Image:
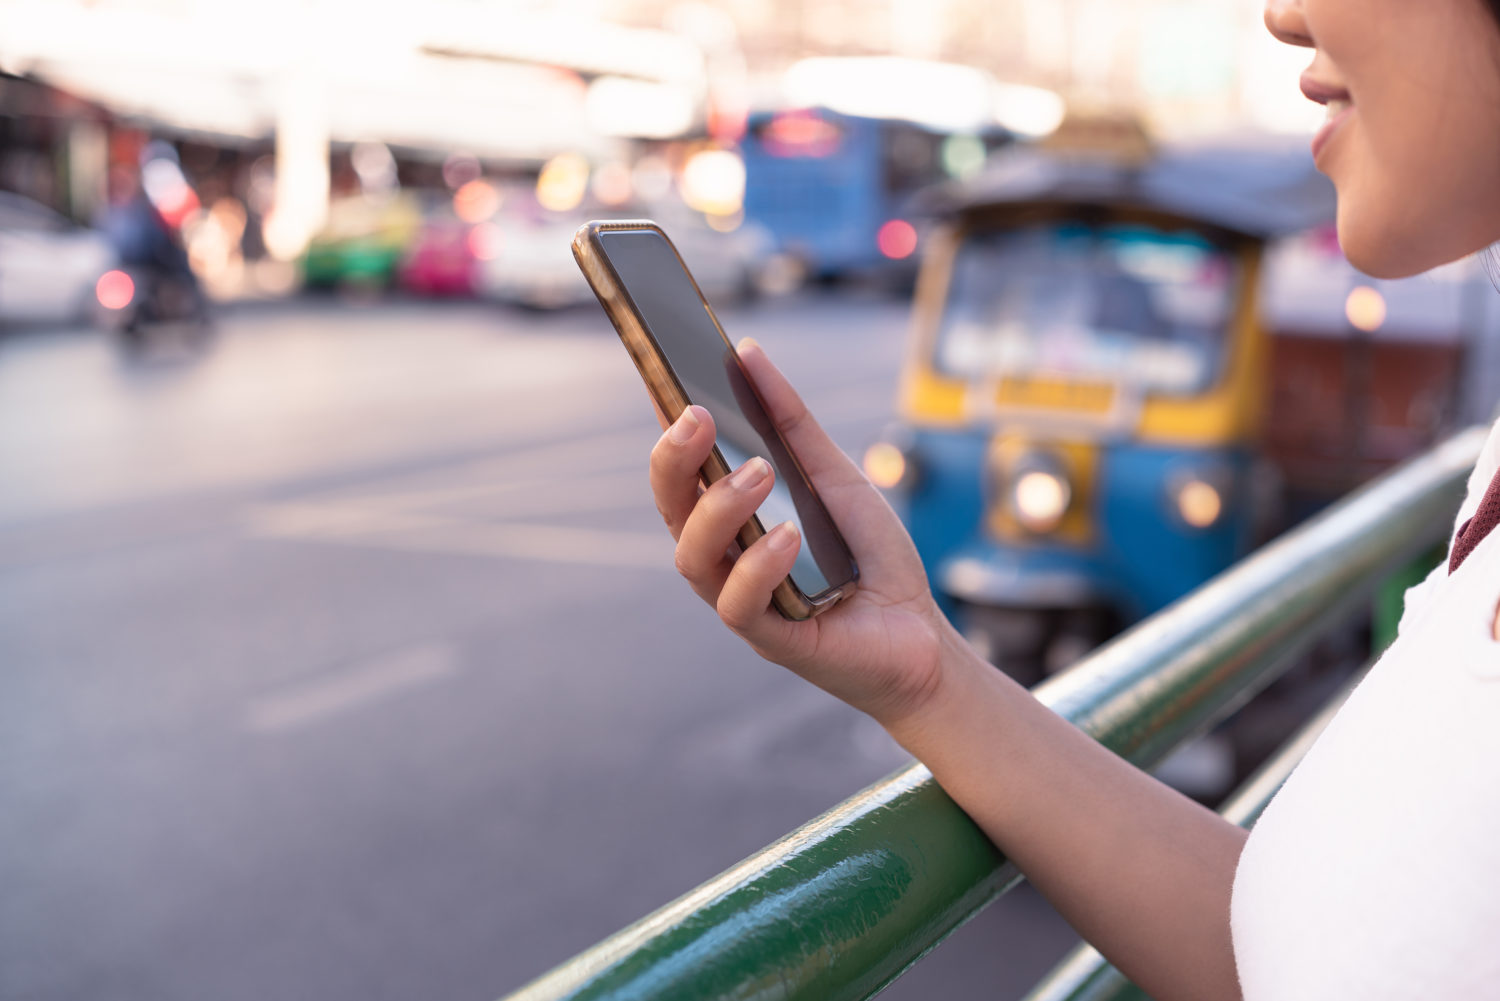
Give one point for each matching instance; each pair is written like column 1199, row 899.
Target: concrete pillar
column 302, row 176
column 88, row 169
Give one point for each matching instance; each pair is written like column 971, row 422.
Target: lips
column 1333, row 97
column 1321, row 92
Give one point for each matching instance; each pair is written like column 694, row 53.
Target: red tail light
column 114, row 290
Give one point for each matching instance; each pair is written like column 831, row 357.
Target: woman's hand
column 1142, row 871
column 881, row 649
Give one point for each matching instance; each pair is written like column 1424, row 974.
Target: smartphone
column 685, row 358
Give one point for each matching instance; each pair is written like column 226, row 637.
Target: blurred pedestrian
column 1375, row 872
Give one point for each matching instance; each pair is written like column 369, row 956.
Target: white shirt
column 1374, row 874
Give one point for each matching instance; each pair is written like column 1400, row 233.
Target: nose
column 1285, row 20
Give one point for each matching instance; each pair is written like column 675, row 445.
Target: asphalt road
column 346, row 660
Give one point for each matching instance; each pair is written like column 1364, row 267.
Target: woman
column 1376, row 871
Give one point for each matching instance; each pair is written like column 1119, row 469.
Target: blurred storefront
column 53, row 146
column 285, row 120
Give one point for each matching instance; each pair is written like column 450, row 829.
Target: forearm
column 1141, row 871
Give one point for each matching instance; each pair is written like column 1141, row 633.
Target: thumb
column 822, row 460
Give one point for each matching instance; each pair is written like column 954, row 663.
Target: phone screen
column 705, row 365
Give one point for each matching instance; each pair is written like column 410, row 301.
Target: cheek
column 1380, row 212
column 1417, row 189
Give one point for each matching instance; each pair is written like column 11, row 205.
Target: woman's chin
column 1382, row 252
column 1379, row 264
column 1384, row 247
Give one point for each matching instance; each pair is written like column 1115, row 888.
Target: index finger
column 675, row 461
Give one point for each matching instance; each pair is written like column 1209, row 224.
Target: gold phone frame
column 789, row 599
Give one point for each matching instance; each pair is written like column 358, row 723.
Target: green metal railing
column 842, row 906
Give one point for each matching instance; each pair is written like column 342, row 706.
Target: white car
column 533, row 265
column 49, row 266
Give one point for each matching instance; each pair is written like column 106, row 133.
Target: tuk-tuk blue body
column 1080, row 413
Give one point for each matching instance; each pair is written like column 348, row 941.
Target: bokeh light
column 1041, row 499
column 375, row 166
column 114, row 290
column 475, row 201
column 1365, row 308
column 963, row 155
column 725, row 223
column 163, row 181
column 485, row 241
column 897, row 239
column 460, row 168
column 713, row 181
column 1199, row 503
column 884, row 464
column 562, row 183
column 612, row 184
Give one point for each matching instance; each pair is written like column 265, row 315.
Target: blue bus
column 834, row 190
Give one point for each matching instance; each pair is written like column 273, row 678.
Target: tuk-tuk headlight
column 891, row 463
column 1198, row 502
column 1040, row 494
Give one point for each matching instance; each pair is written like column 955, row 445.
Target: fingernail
column 748, row 344
column 783, row 536
column 750, row 474
column 684, row 427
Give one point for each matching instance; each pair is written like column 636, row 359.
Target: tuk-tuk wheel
column 1032, row 644
column 1012, row 639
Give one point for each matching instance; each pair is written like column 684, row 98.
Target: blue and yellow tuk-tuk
column 1081, row 407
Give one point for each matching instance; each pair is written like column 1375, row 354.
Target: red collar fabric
column 1473, row 531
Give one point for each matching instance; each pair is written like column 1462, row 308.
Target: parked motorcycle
column 143, row 305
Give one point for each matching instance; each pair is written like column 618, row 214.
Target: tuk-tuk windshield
column 1112, row 303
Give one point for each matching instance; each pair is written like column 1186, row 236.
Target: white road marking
column 785, row 725
column 312, row 701
column 541, row 463
column 512, row 497
column 349, row 525
column 517, row 496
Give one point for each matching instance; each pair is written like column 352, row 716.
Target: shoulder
column 1402, row 776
